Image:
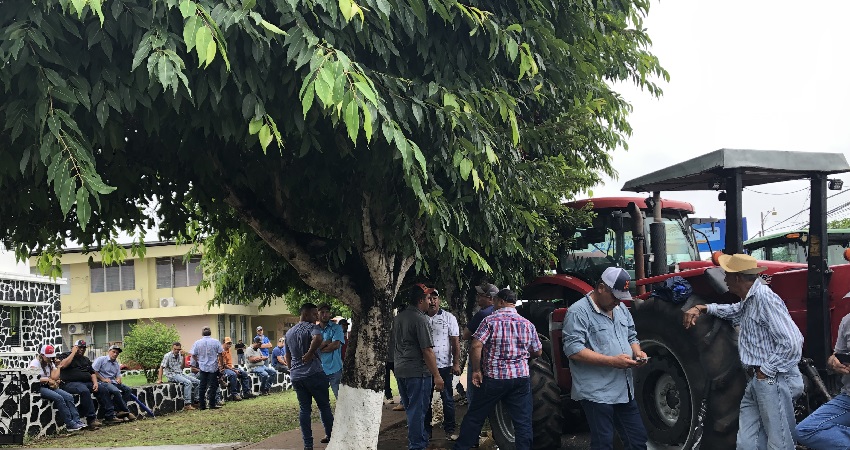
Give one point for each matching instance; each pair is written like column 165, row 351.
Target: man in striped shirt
column 770, row 346
column 501, row 347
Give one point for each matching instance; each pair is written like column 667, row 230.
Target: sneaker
column 189, row 408
column 76, row 426
column 121, row 414
column 453, row 437
column 236, row 398
column 248, row 395
column 389, row 401
column 95, row 423
column 131, row 416
column 325, row 440
column 215, row 407
column 398, row 407
column 114, row 420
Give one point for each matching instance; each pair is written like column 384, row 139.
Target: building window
column 15, row 317
column 232, row 333
column 243, row 329
column 107, row 333
column 64, row 289
column 221, row 327
column 174, row 272
column 115, row 277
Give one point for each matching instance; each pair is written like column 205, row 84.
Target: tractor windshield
column 596, row 249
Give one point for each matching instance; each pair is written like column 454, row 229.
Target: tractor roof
column 623, row 203
column 707, row 172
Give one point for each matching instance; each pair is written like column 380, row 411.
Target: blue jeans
column 240, row 359
column 86, row 403
column 114, row 398
column 234, row 378
column 447, row 395
column 828, row 427
column 604, row 418
column 208, row 388
column 515, row 395
column 334, row 380
column 267, row 376
column 767, row 412
column 190, row 387
column 306, row 389
column 416, row 397
column 64, row 404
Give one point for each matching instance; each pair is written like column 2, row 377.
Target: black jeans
column 306, row 390
column 209, row 385
column 84, row 391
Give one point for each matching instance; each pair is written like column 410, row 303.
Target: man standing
column 330, row 351
column 206, row 352
column 501, row 347
column 265, row 344
column 234, row 376
column 414, row 364
column 601, row 343
column 240, row 352
column 770, row 347
column 445, row 333
column 484, row 295
column 308, row 377
column 277, row 355
column 108, row 372
column 257, row 364
column 829, row 426
column 76, row 372
column 172, row 365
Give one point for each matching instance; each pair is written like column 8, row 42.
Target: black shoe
column 308, row 448
column 325, row 440
column 215, row 407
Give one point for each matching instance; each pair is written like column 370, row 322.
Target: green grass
column 270, row 414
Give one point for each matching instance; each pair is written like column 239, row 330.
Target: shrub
column 145, row 345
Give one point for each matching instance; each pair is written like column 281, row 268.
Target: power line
column 771, row 193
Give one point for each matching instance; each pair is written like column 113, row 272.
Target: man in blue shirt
column 206, row 353
column 601, row 343
column 265, row 345
column 484, row 295
column 330, row 351
column 770, row 346
column 277, row 355
column 308, row 377
column 108, row 372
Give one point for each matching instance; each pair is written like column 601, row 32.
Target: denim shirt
column 586, row 326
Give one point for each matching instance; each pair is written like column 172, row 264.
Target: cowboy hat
column 739, row 263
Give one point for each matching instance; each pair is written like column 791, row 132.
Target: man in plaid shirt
column 507, row 341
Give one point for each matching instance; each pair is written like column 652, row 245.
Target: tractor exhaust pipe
column 640, row 241
column 658, row 237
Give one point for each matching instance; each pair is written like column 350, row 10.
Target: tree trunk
column 357, row 418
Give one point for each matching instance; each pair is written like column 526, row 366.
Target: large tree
column 357, row 139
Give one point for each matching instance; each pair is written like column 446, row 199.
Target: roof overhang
column 708, row 172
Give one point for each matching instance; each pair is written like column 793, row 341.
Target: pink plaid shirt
column 507, row 338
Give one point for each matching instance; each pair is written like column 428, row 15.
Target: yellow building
column 100, row 303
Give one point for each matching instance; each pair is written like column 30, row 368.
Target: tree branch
column 284, row 242
column 373, row 252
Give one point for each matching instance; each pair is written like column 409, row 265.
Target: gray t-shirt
column 410, row 334
column 251, row 353
column 298, row 340
column 842, row 345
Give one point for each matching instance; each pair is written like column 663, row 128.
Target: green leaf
column 352, row 120
column 272, row 27
column 65, row 192
column 346, row 8
column 187, row 8
column 83, row 208
column 265, row 136
column 190, row 31
column 79, row 5
column 367, row 91
column 102, row 113
column 254, row 126
column 97, row 7
column 465, row 168
column 307, row 99
column 211, row 50
column 367, row 123
column 203, row 38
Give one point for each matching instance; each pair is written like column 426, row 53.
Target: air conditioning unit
column 132, row 303
column 76, row 328
column 167, row 302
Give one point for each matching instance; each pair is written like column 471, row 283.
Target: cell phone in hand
column 643, row 359
column 843, row 358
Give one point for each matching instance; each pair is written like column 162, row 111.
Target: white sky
column 751, row 74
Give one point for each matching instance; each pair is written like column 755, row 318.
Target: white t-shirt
column 35, row 366
column 443, row 325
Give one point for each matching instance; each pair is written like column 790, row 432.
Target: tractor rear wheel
column 686, row 367
column 546, row 418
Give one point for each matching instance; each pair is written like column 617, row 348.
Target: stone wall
column 39, row 416
column 38, row 299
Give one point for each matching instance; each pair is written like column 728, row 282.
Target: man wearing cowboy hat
column 770, row 346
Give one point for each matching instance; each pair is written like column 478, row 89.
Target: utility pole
column 772, row 212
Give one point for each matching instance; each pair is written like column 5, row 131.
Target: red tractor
column 690, row 391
